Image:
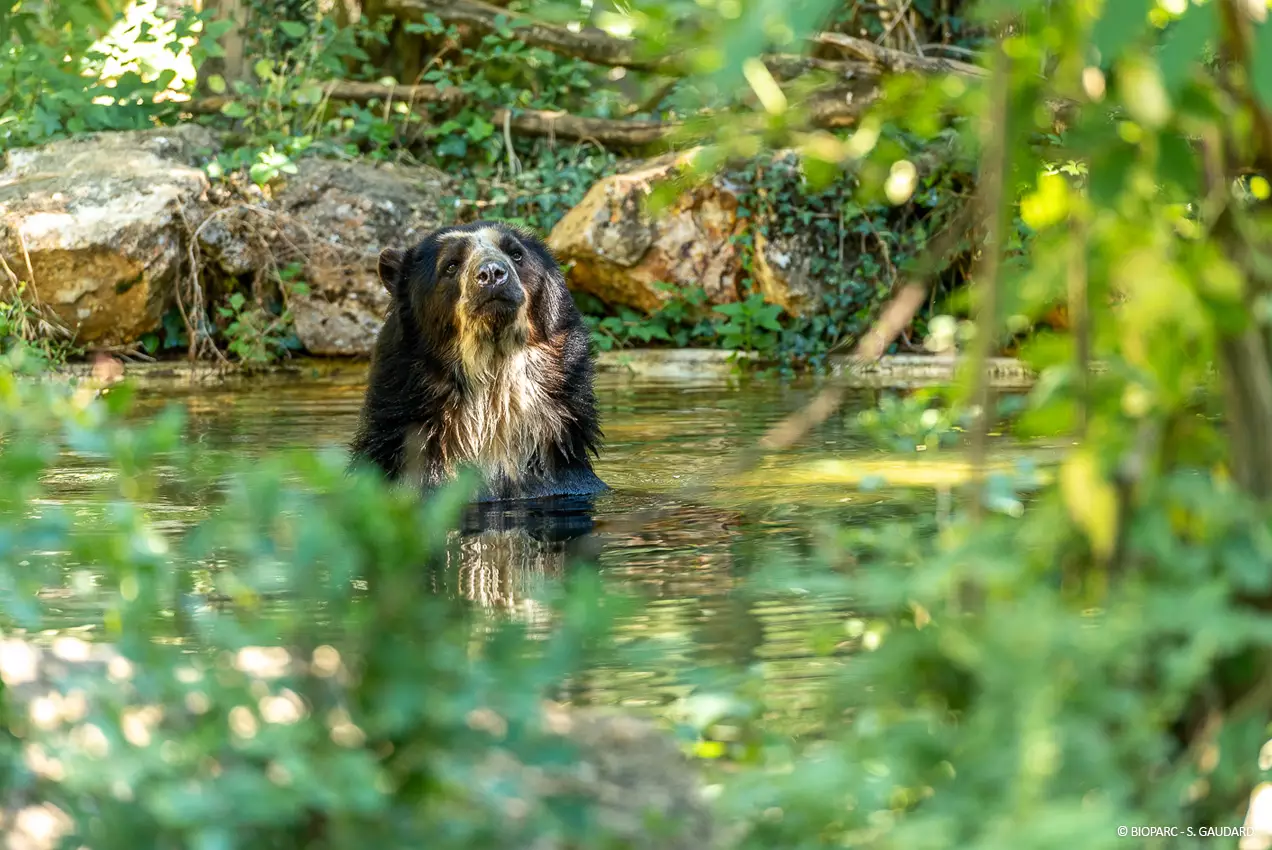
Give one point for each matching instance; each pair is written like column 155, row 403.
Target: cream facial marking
column 480, row 346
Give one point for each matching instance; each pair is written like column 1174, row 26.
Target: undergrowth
column 138, row 57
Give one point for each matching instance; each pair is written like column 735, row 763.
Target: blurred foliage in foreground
column 281, row 675
column 1032, row 678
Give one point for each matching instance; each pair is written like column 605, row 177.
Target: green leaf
column 1177, row 162
column 216, row 84
column 309, row 93
column 1109, row 174
column 261, row 173
column 1182, row 51
column 1261, row 64
column 237, row 300
column 480, row 129
column 769, row 320
column 216, row 29
column 1121, row 23
column 263, row 68
column 293, row 29
column 234, row 109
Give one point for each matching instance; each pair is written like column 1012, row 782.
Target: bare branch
column 590, row 45
column 897, row 60
column 826, row 111
column 601, row 48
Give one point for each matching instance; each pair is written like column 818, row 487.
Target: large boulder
column 620, row 253
column 98, row 225
column 341, row 215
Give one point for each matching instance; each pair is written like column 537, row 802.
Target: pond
column 662, row 437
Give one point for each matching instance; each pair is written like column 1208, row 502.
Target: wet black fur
column 415, row 369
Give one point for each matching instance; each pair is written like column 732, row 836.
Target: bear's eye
column 452, row 268
column 517, row 256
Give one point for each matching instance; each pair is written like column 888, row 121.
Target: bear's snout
column 492, row 273
column 495, row 287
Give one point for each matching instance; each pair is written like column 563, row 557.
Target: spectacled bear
column 483, row 361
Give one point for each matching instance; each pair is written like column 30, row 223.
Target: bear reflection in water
column 503, row 550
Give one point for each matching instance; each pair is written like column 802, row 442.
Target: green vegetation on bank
column 83, row 67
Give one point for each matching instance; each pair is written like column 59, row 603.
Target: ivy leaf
column 452, row 145
column 768, row 318
column 480, row 129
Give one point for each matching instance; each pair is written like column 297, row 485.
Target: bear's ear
column 390, row 265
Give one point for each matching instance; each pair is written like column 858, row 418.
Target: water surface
column 660, row 438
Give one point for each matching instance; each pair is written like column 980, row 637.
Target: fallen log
column 895, row 60
column 830, row 110
column 526, row 122
column 590, row 45
column 600, row 48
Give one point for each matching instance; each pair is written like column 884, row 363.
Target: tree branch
column 897, row 60
column 601, row 48
column 591, row 45
column 829, row 110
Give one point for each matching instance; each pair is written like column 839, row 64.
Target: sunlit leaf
column 1091, row 500
column 1048, row 205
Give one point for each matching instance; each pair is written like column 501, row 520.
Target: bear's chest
column 502, row 420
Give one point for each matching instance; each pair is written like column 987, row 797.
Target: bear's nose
column 492, row 273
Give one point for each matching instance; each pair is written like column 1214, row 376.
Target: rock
column 340, row 215
column 781, row 270
column 639, row 789
column 103, row 222
column 619, row 253
column 226, row 239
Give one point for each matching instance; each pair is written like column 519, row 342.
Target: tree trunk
column 234, row 64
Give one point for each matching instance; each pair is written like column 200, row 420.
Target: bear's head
column 478, row 291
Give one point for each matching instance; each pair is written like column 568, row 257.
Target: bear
column 484, row 362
